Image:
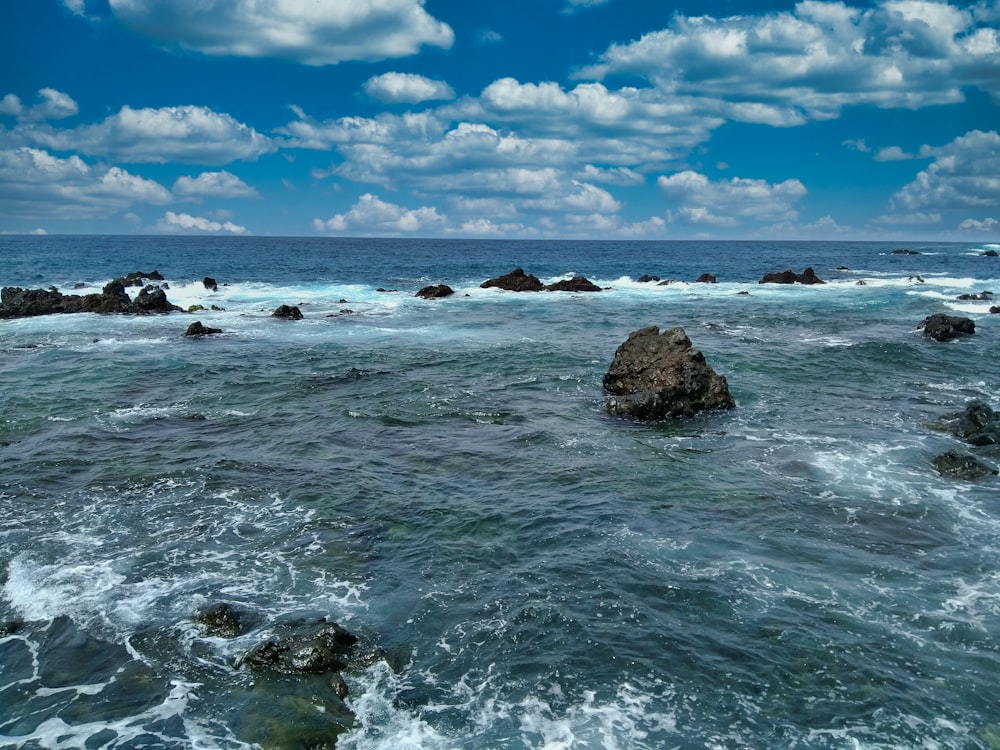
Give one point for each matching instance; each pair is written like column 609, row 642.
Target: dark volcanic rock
column 287, row 312
column 152, row 299
column 808, row 276
column 981, row 297
column 655, row 376
column 435, row 291
column 990, row 254
column 941, row 327
column 576, row 284
column 962, row 466
column 197, row 329
column 139, row 278
column 905, row 251
column 311, row 648
column 209, row 283
column 995, row 309
column 22, row 303
column 515, row 281
column 645, row 279
column 978, row 424
column 706, row 278
column 220, row 620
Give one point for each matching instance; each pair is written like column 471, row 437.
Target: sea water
column 439, row 476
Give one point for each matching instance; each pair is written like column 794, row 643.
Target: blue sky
column 528, row 118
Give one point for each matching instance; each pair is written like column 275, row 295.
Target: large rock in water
column 22, row 303
column 808, row 276
column 576, row 284
column 941, row 327
column 515, row 281
column 656, row 376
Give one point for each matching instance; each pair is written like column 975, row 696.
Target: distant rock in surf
column 977, row 425
column 645, row 279
column 209, row 283
column 990, row 254
column 658, row 376
column 197, row 329
column 576, row 284
column 706, row 278
column 981, row 297
column 436, row 291
column 515, row 281
column 995, row 309
column 139, row 278
column 962, row 466
column 287, row 312
column 905, row 251
column 808, row 276
column 941, row 327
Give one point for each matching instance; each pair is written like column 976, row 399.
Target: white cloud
column 406, row 88
column 612, row 175
column 34, row 183
column 174, row 222
column 487, row 37
column 572, row 6
column 371, row 215
column 728, row 202
column 214, row 184
column 815, row 60
column 911, row 219
column 313, row 33
column 986, row 225
column 893, row 153
column 857, row 144
column 54, row 105
column 965, row 174
column 169, row 134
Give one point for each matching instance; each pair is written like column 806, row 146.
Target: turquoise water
column 439, row 477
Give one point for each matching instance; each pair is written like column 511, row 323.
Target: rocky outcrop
column 576, row 284
column 707, row 278
column 962, row 466
column 221, row 620
column 941, row 327
column 435, row 292
column 905, row 251
column 210, row 284
column 981, row 297
column 23, row 303
column 287, row 312
column 139, row 278
column 658, row 376
column 646, row 278
column 808, row 276
column 515, row 281
column 197, row 329
column 318, row 647
column 977, row 425
column 990, row 254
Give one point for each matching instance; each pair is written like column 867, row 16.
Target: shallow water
column 439, row 477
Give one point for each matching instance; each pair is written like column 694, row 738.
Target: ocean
column 440, row 478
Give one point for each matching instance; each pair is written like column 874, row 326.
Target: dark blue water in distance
column 439, row 477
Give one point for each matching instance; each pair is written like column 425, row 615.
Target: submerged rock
column 287, row 312
column 808, row 276
column 977, row 425
column 221, row 620
column 941, row 327
column 515, row 281
column 318, row 647
column 962, row 466
column 435, row 291
column 657, row 376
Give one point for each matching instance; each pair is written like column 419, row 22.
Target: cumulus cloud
column 371, row 215
column 54, row 105
column 35, row 183
column 965, row 174
column 213, row 184
column 313, row 33
column 811, row 62
column 727, row 203
column 893, row 153
column 407, row 88
column 988, row 224
column 186, row 134
column 186, row 223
